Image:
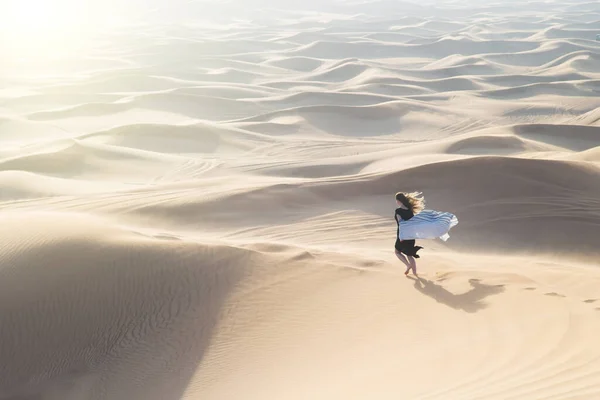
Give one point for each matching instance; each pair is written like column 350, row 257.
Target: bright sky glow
column 37, row 31
column 35, row 18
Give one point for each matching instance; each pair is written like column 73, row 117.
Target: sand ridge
column 198, row 203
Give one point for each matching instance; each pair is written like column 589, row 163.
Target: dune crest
column 197, row 200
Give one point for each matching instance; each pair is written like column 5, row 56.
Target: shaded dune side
column 510, row 80
column 191, row 105
column 60, row 99
column 496, row 144
column 90, row 311
column 20, row 185
column 301, row 64
column 310, row 98
column 573, row 137
column 590, row 118
column 570, row 89
column 442, row 48
column 380, row 119
column 433, row 89
column 95, row 161
column 116, row 81
column 561, row 33
column 164, row 138
column 227, row 91
column 547, row 53
column 337, row 73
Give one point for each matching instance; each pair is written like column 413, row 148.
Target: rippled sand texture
column 205, row 211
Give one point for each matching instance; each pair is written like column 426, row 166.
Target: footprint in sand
column 554, row 294
column 165, row 236
column 529, row 288
column 442, row 276
column 590, row 300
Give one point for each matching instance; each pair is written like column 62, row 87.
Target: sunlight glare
column 40, row 30
column 30, row 18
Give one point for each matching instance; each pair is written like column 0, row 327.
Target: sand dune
column 589, row 118
column 197, row 202
column 380, row 119
column 185, row 104
column 90, row 161
column 21, row 185
column 150, row 294
column 574, row 137
column 296, row 63
column 486, row 144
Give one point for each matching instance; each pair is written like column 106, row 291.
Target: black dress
column 405, row 246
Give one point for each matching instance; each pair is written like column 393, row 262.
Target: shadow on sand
column 470, row 301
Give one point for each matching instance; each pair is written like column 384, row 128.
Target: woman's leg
column 404, row 260
column 413, row 265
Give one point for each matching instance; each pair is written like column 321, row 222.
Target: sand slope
column 198, row 203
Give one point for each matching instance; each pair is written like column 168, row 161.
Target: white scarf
column 428, row 224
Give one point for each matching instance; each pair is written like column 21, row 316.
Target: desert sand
column 198, row 202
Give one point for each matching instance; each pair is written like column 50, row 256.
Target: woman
column 409, row 204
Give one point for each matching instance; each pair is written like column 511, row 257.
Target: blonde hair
column 413, row 200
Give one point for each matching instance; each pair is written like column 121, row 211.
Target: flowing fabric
column 428, row 224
